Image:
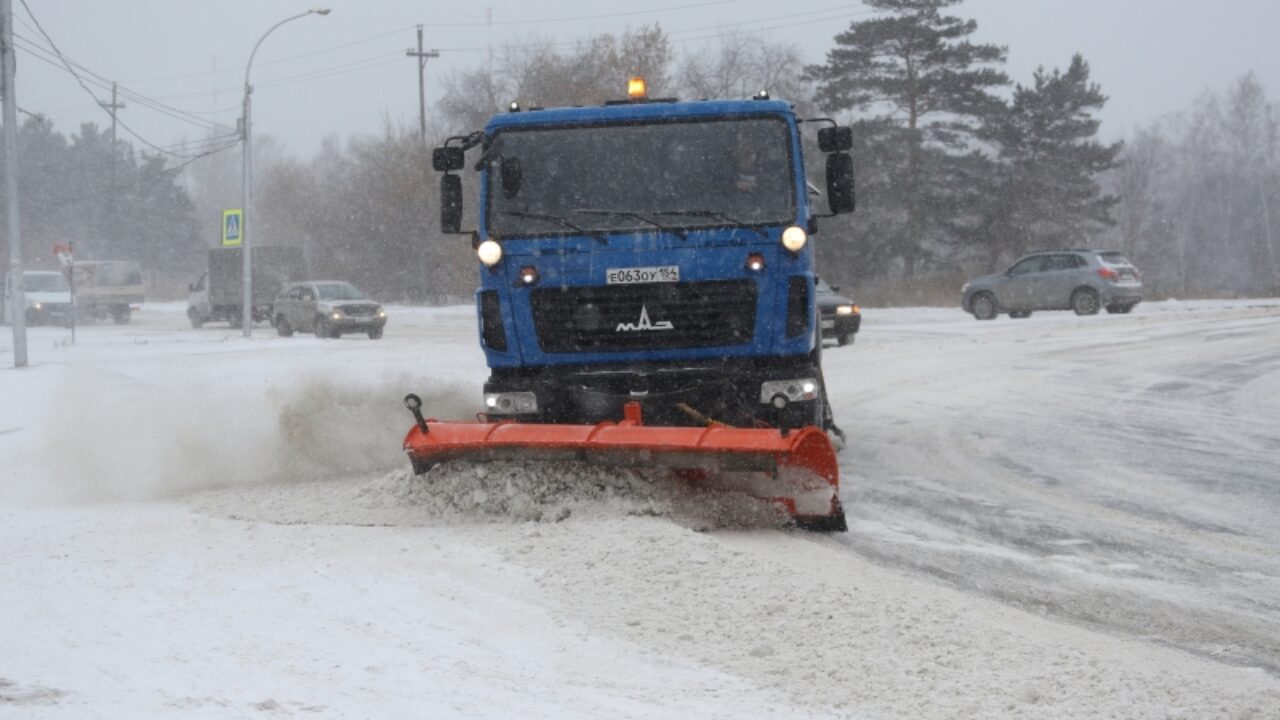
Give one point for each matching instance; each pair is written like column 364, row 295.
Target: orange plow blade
column 796, row 470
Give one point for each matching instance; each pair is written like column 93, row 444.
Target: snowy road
column 1057, row 517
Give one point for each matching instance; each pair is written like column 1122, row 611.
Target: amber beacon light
column 637, row 89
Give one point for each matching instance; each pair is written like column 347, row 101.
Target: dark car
column 1081, row 280
column 840, row 317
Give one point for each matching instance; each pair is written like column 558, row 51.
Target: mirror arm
column 818, row 119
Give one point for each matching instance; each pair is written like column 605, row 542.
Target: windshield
column 642, row 176
column 339, row 291
column 44, row 282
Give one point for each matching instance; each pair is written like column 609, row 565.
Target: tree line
column 960, row 168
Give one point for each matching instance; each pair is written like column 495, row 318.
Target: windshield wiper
column 711, row 214
column 638, row 216
column 599, row 236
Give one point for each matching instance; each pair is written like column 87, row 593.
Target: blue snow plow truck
column 648, row 258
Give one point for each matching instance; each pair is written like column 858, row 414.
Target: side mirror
column 447, row 159
column 835, row 139
column 840, row 197
column 512, row 176
column 450, row 203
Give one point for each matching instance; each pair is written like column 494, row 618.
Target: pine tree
column 1048, row 193
column 917, row 82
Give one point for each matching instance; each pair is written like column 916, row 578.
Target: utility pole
column 422, row 92
column 111, row 107
column 16, row 301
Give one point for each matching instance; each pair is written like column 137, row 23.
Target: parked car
column 327, row 308
column 1081, row 280
column 839, row 316
column 47, row 296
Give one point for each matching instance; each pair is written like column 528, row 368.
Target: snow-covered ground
column 1057, row 517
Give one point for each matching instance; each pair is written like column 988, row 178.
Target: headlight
column 382, row 313
column 846, row 309
column 781, row 392
column 794, row 238
column 512, row 403
column 489, row 253
column 39, row 306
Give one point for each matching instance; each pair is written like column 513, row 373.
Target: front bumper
column 834, row 326
column 727, row 391
column 47, row 314
column 357, row 323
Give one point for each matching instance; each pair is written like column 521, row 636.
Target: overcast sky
column 344, row 73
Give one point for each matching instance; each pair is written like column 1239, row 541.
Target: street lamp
column 247, row 168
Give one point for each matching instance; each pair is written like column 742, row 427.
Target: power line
column 82, row 84
column 602, row 16
column 41, row 53
column 720, row 28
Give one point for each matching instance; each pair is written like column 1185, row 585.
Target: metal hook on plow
column 414, row 404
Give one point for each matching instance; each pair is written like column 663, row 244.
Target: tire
column 1084, row 301
column 122, row 316
column 983, row 306
column 1020, row 314
column 375, row 334
column 1124, row 309
column 844, row 339
column 194, row 316
column 283, row 328
column 325, row 329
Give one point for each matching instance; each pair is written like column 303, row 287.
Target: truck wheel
column 194, row 316
column 322, row 328
column 844, row 338
column 283, row 328
column 121, row 315
column 375, row 333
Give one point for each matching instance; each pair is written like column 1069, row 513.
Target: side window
column 1061, row 262
column 1026, row 267
column 307, row 294
column 200, row 282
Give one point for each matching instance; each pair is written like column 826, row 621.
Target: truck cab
column 657, row 252
column 47, row 298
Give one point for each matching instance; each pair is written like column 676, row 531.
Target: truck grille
column 357, row 310
column 638, row 317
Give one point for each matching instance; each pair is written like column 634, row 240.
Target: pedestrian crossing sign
column 232, row 227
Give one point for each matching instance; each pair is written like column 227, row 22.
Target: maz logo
column 645, row 323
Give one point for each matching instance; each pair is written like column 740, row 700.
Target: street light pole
column 247, row 171
column 16, row 304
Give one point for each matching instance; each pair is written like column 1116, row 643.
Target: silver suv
column 1081, row 280
column 326, row 308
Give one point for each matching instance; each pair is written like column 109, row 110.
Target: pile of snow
column 501, row 492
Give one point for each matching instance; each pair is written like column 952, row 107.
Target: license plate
column 632, row 276
column 828, row 324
